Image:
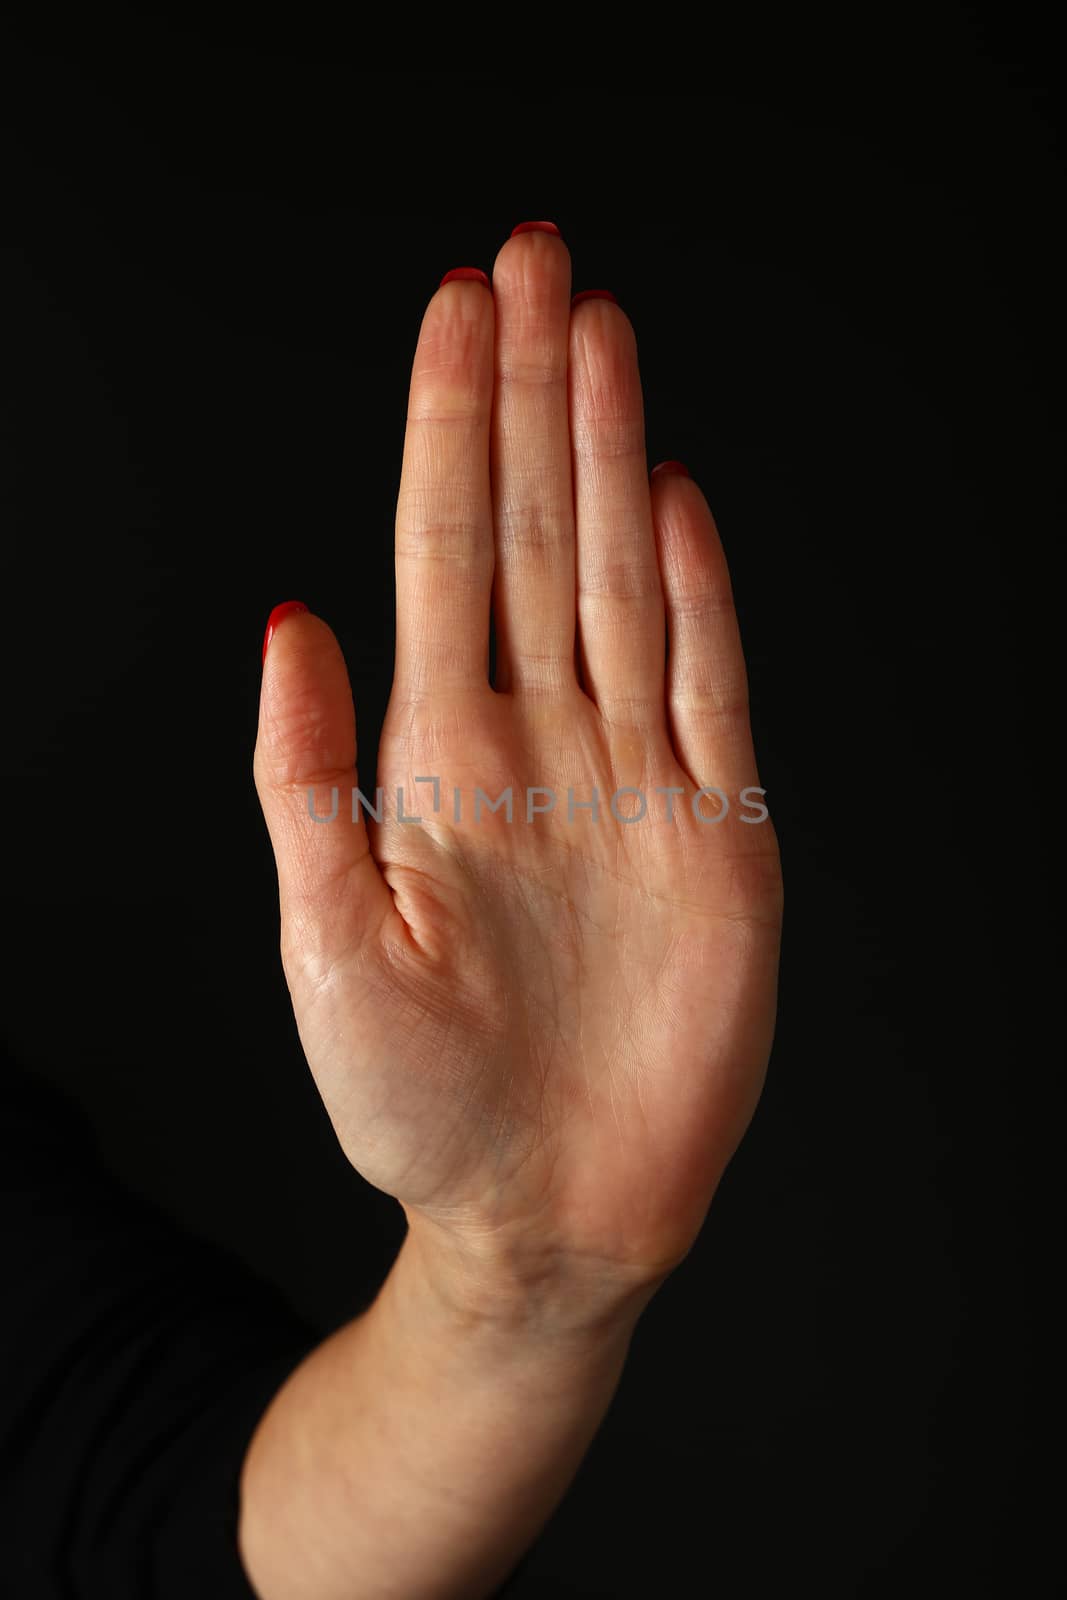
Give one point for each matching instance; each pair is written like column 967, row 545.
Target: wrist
column 521, row 1297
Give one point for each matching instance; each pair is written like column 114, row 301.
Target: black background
column 836, row 244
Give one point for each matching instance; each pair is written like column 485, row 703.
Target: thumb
column 332, row 895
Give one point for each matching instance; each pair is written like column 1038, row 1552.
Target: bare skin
column 544, row 1038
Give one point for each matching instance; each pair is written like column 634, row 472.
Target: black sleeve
column 136, row 1361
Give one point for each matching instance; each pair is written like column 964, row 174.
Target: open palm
column 542, row 1027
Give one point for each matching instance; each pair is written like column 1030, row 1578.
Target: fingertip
column 535, row 227
column 678, row 500
column 466, row 275
column 306, row 714
column 288, row 608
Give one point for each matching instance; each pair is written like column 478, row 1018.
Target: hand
column 545, row 1038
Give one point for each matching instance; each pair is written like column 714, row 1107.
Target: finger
column 533, row 512
column 444, row 530
column 707, row 685
column 331, row 893
column 619, row 602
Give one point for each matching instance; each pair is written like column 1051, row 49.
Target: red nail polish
column 288, row 608
column 536, row 227
column 594, row 294
column 668, row 467
column 464, row 275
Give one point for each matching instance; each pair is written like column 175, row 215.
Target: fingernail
column 594, row 294
column 288, row 608
column 464, row 275
column 536, row 227
column 676, row 467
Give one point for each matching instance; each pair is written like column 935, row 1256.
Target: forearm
column 418, row 1451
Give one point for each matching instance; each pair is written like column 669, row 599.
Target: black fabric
column 136, row 1361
